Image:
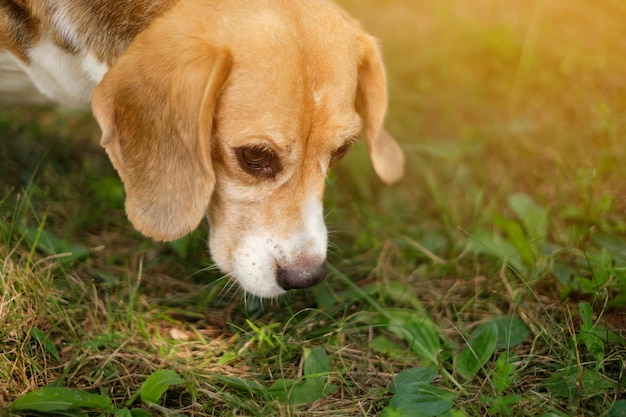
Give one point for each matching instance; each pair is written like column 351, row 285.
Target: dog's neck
column 66, row 46
column 102, row 29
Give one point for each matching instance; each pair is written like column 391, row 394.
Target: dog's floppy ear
column 371, row 103
column 155, row 108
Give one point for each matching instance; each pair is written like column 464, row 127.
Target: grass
column 490, row 282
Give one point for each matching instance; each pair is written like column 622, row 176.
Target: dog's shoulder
column 63, row 48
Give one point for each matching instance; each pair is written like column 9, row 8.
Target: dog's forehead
column 290, row 84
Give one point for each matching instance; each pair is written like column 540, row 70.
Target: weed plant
column 490, row 282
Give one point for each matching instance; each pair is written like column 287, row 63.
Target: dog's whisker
column 333, row 249
column 231, row 287
column 228, row 287
column 208, row 268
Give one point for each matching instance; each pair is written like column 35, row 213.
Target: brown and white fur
column 233, row 110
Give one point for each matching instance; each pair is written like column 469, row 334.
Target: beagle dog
column 233, row 110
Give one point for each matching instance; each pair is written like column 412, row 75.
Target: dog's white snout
column 267, row 263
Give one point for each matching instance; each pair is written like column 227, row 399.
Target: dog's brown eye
column 256, row 156
column 339, row 153
column 259, row 161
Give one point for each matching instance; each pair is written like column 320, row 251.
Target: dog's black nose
column 300, row 276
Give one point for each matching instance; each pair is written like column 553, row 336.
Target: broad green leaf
column 614, row 243
column 390, row 412
column 517, row 236
column 533, row 217
column 418, row 331
column 316, row 365
column 140, row 412
column 314, row 384
column 586, row 313
column 588, row 336
column 618, row 409
column 609, row 336
column 423, row 338
column 503, row 374
column 479, row 349
column 564, row 273
column 123, row 412
column 325, row 296
column 566, row 383
column 57, row 399
column 45, row 341
column 300, row 391
column 495, row 245
column 281, row 388
column 156, row 384
column 456, row 412
column 413, row 375
column 382, row 344
column 135, row 412
column 400, row 316
column 554, row 414
column 422, row 400
column 511, row 331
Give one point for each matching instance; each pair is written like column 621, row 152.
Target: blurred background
column 517, row 95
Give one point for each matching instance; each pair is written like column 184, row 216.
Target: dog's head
column 237, row 110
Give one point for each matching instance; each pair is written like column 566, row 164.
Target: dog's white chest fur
column 15, row 86
column 56, row 74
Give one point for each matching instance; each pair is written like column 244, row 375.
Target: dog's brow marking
column 318, row 95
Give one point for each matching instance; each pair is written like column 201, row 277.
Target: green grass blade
column 51, row 245
column 239, row 383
